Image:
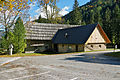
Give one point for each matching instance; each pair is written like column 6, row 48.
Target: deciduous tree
column 50, row 8
column 10, row 10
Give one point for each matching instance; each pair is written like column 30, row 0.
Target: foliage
column 57, row 20
column 104, row 12
column 10, row 10
column 76, row 17
column 19, row 42
column 76, row 4
column 17, row 38
column 54, row 10
column 8, row 41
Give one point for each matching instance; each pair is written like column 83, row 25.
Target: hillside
column 93, row 5
column 104, row 12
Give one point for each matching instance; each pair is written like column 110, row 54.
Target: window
column 70, row 47
column 92, row 46
column 66, row 35
column 100, row 46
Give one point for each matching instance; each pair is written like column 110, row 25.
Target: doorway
column 56, row 47
column 76, row 48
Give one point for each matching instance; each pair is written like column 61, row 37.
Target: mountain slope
column 104, row 12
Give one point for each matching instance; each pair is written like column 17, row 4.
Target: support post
column 11, row 49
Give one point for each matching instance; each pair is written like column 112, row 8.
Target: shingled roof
column 76, row 35
column 43, row 31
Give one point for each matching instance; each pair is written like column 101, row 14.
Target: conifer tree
column 107, row 22
column 116, row 25
column 19, row 36
column 91, row 17
column 76, row 5
column 76, row 17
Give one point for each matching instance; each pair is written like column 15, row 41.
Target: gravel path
column 81, row 66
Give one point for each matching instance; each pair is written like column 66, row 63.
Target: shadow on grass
column 95, row 58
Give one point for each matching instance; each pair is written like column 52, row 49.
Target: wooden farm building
column 39, row 35
column 81, row 38
column 65, row 38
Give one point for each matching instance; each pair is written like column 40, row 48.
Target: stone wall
column 69, row 48
column 80, row 48
column 91, row 47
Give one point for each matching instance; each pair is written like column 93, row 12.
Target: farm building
column 81, row 38
column 39, row 35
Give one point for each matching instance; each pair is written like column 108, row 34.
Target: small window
column 100, row 46
column 70, row 47
column 92, row 46
column 66, row 35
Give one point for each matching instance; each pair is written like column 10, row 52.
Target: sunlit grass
column 46, row 53
column 22, row 55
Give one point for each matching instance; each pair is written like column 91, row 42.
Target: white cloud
column 64, row 11
column 41, row 12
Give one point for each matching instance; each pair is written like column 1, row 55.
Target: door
column 76, row 48
column 56, row 47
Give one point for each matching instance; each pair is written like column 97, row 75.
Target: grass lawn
column 114, row 54
column 42, row 54
column 22, row 55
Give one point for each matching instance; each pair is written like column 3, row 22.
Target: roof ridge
column 79, row 26
column 53, row 24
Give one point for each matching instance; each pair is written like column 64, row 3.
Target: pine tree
column 98, row 18
column 19, row 36
column 76, row 17
column 76, row 4
column 116, row 25
column 107, row 23
column 91, row 17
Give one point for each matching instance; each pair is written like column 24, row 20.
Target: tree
column 10, row 10
column 19, row 42
column 46, row 4
column 76, row 17
column 8, row 41
column 98, row 18
column 107, row 23
column 76, row 4
column 91, row 17
column 116, row 25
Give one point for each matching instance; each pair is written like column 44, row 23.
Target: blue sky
column 62, row 3
column 65, row 7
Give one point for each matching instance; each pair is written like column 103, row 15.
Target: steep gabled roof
column 43, row 31
column 75, row 35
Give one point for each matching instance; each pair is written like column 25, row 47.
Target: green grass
column 42, row 54
column 22, row 55
column 113, row 54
